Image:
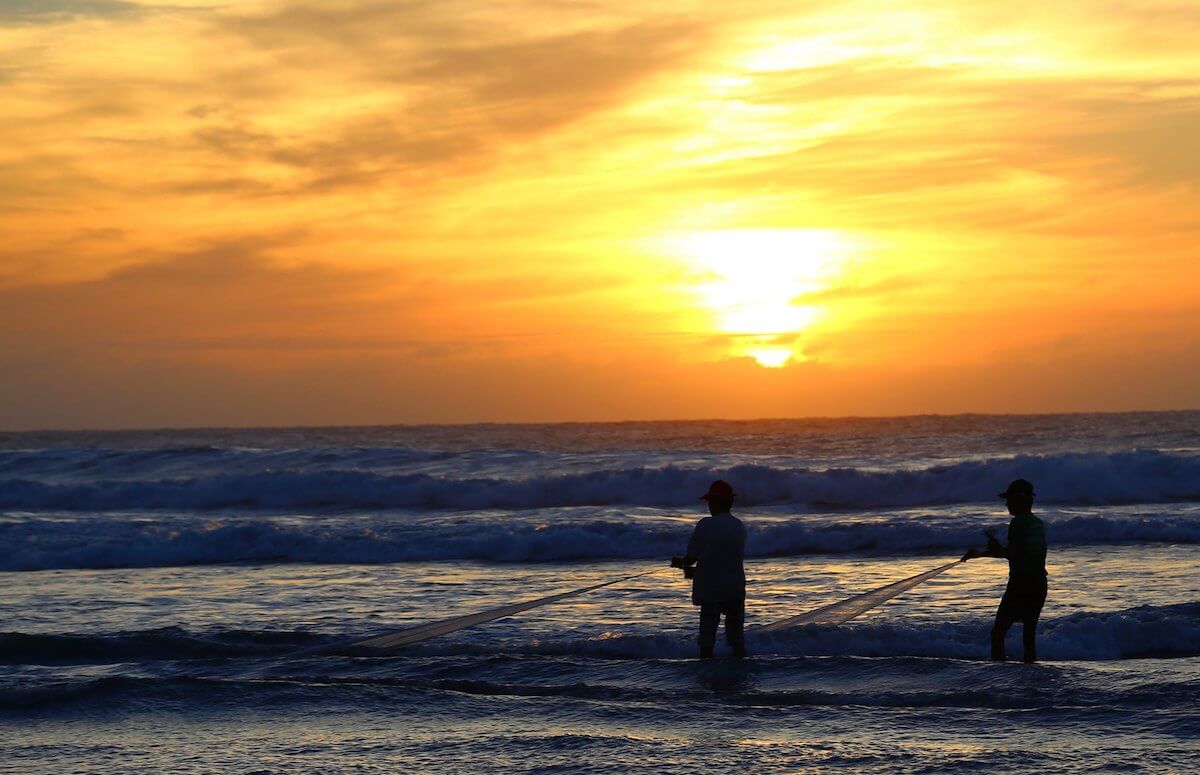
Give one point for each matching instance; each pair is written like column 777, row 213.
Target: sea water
column 162, row 594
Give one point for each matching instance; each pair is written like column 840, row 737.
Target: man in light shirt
column 714, row 564
column 1026, row 554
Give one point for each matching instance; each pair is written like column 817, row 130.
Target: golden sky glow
column 355, row 212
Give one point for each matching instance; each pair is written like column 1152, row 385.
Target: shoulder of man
column 1026, row 523
column 732, row 522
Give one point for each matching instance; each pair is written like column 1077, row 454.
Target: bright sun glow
column 753, row 281
column 771, row 357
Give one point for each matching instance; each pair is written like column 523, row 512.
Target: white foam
column 322, row 482
column 34, row 543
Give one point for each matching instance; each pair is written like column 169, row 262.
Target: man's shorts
column 1022, row 601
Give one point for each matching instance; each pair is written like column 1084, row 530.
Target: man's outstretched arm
column 993, row 549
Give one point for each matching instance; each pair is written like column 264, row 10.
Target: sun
column 753, row 282
column 771, row 357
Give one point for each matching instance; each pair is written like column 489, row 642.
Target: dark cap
column 1018, row 487
column 718, row 489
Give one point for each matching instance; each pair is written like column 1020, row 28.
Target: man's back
column 1026, row 550
column 718, row 544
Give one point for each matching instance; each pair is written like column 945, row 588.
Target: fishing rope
column 382, row 645
column 853, row 607
column 832, row 614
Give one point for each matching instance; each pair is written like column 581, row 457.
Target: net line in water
column 382, row 645
column 832, row 614
column 852, row 607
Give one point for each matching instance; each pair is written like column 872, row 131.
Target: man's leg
column 1029, row 625
column 735, row 617
column 710, row 617
column 1029, row 638
column 1007, row 613
column 999, row 630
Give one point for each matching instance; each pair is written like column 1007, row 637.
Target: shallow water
column 168, row 634
column 152, row 668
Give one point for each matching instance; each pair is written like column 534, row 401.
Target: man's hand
column 993, row 549
column 686, row 564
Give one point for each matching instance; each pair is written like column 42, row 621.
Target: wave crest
column 140, row 543
column 1073, row 478
column 1171, row 631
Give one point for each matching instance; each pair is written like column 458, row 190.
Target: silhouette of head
column 1018, row 497
column 719, row 496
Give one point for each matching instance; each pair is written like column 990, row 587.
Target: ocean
column 165, row 596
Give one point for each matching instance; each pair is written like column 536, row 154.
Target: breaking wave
column 44, row 544
column 322, row 483
column 1163, row 632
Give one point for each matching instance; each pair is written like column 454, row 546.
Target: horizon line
column 532, row 423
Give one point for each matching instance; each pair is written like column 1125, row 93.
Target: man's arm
column 993, row 549
column 695, row 544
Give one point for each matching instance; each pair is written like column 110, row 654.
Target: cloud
column 461, row 93
column 240, row 294
column 865, row 77
column 229, row 289
column 889, row 287
column 1153, row 141
column 359, row 153
column 353, row 26
column 56, row 11
column 79, row 389
column 532, row 85
column 965, row 149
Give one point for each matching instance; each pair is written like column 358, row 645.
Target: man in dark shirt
column 1026, row 553
column 718, row 578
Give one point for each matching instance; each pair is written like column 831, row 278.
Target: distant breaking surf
column 142, row 542
column 324, row 479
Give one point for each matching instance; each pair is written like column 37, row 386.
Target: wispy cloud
column 55, row 11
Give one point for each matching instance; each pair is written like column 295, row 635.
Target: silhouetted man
column 718, row 578
column 1026, row 553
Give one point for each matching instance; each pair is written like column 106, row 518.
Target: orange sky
column 367, row 212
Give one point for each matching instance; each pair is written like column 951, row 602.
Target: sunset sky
column 264, row 213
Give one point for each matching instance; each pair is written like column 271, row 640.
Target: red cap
column 718, row 489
